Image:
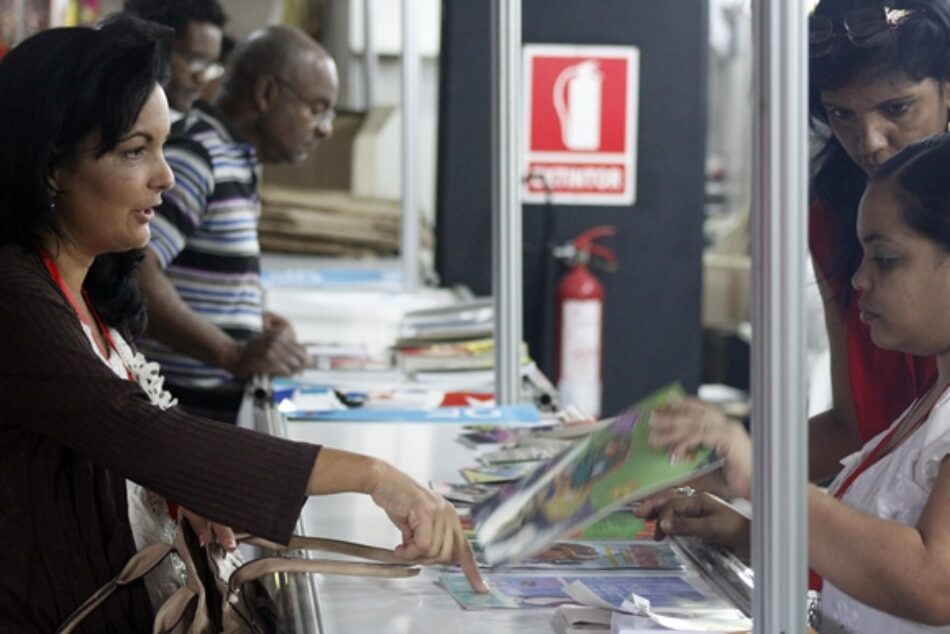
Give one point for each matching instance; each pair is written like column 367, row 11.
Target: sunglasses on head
column 864, row 28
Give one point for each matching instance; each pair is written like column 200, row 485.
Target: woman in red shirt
column 878, row 81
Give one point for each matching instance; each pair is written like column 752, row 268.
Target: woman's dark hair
column 919, row 172
column 919, row 48
column 56, row 88
column 178, row 13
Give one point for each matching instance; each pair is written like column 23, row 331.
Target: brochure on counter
column 508, row 414
column 525, row 591
column 497, row 474
column 639, row 613
column 613, row 466
column 301, row 400
column 600, row 555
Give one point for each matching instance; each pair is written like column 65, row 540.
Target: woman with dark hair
column 879, row 79
column 83, row 119
column 880, row 536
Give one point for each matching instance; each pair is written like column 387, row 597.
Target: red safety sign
column 580, row 124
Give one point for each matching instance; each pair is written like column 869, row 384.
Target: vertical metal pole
column 506, row 197
column 370, row 63
column 19, row 21
column 409, row 247
column 779, row 539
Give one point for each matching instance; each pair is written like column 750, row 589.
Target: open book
column 613, row 466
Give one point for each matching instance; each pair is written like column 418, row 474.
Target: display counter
column 334, row 604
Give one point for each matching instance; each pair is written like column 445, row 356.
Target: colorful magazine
column 499, row 473
column 590, row 555
column 621, row 524
column 523, row 591
column 462, row 492
column 515, row 454
column 611, row 467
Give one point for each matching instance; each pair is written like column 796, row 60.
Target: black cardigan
column 71, row 432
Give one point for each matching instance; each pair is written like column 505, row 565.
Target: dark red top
column 883, row 382
column 71, row 431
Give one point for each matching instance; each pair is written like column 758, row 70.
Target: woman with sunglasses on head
column 83, row 119
column 880, row 536
column 879, row 79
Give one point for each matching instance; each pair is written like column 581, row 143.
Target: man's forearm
column 174, row 323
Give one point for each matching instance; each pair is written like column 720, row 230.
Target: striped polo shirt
column 205, row 237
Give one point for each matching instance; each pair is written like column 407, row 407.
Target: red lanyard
column 54, row 273
column 882, row 449
column 103, row 330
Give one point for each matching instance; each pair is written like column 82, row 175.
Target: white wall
column 344, row 37
column 243, row 15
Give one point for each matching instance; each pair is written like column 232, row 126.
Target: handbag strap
column 141, row 563
column 300, row 542
column 391, row 566
column 264, row 566
column 173, row 610
column 145, row 560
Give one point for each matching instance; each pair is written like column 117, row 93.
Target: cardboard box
column 726, row 280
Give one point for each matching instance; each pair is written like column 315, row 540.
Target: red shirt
column 883, row 382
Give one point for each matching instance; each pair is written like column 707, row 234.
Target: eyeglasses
column 864, row 28
column 322, row 114
column 200, row 68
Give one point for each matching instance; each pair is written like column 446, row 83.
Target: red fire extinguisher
column 580, row 321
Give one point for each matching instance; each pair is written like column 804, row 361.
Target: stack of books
column 328, row 223
column 459, row 321
column 450, row 356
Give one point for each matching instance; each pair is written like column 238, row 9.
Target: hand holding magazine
column 611, row 467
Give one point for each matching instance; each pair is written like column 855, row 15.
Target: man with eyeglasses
column 198, row 26
column 201, row 273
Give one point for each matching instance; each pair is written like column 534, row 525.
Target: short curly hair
column 178, row 13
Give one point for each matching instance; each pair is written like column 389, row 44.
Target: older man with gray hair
column 201, row 274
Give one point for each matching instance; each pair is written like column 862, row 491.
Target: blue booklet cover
column 502, row 414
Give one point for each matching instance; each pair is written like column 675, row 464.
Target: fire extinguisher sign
column 580, row 124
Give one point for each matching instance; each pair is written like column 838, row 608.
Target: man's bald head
column 280, row 93
column 274, row 50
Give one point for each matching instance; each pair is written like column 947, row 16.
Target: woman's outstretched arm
column 431, row 531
